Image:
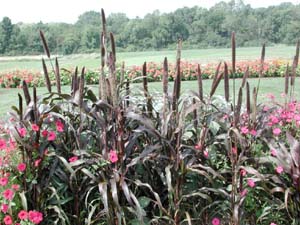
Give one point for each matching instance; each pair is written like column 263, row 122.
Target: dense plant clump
column 118, row 158
column 272, row 68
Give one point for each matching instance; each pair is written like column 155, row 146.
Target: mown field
column 92, row 61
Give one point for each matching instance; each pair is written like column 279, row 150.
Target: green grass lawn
column 268, row 85
column 92, row 61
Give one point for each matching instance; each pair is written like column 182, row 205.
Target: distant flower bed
column 272, row 68
column 13, row 79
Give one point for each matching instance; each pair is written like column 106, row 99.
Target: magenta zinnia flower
column 279, row 169
column 113, row 156
column 273, row 152
column 244, row 130
column 7, row 220
column 215, row 221
column 22, row 131
column 4, row 208
column 3, row 181
column 44, row 133
column 59, row 126
column 52, row 136
column 251, row 183
column 35, row 217
column 21, row 167
column 8, row 194
column 35, row 127
column 73, row 159
column 23, row 215
column 2, row 144
column 276, row 131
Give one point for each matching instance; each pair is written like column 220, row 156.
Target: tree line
column 198, row 27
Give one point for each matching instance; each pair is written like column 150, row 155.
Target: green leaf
column 89, row 173
column 214, row 127
column 66, row 164
column 137, row 222
column 23, row 200
column 91, row 95
column 91, row 214
column 15, row 109
column 34, row 181
column 144, row 201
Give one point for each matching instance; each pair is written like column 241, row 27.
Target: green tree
column 6, row 32
column 91, row 18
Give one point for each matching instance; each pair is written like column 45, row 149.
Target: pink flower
column 292, row 106
column 37, row 162
column 35, row 217
column 297, row 117
column 3, row 181
column 279, row 169
column 8, row 194
column 22, row 131
column 12, row 144
column 234, row 150
column 273, row 152
column 215, row 221
column 244, row 130
column 7, row 220
column 59, row 129
column 253, row 132
column 52, row 136
column 59, row 126
column 243, row 172
column 113, row 156
column 197, row 147
column 6, row 174
column 4, row 208
column 251, row 183
column 21, row 167
column 271, row 96
column 244, row 192
column 205, row 154
column 23, row 215
column 73, row 159
column 35, row 127
column 273, row 119
column 273, row 224
column 16, row 187
column 2, row 144
column 276, row 131
column 44, row 133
